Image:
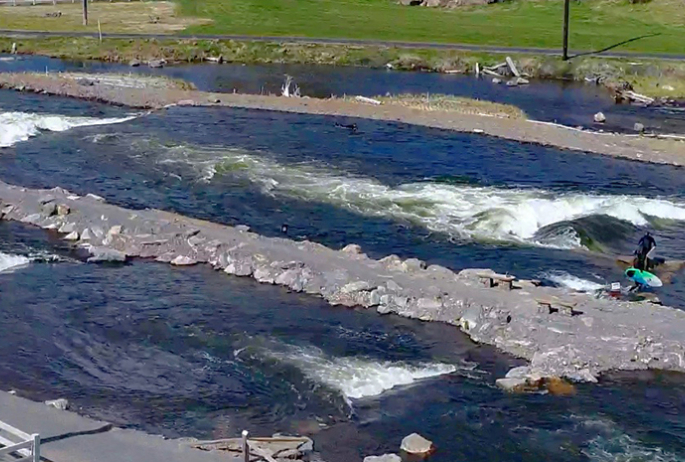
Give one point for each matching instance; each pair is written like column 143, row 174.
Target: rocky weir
column 594, row 336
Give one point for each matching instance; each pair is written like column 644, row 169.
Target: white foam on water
column 10, row 262
column 570, row 281
column 612, row 445
column 356, row 377
column 475, row 212
column 20, row 126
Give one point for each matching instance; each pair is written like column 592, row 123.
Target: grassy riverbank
column 527, row 23
column 651, row 77
column 595, row 24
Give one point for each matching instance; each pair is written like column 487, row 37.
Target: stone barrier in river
column 593, row 336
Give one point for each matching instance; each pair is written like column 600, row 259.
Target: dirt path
column 99, row 88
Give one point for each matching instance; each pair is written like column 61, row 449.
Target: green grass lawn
column 531, row 23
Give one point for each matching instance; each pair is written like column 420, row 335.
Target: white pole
column 36, row 447
column 246, row 447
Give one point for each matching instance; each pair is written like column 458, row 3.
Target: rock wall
column 609, row 334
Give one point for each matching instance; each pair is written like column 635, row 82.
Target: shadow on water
column 568, row 103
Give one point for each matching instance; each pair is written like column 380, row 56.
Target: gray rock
column 61, row 404
column 416, row 444
column 496, row 80
column 357, row 286
column 86, row 235
column 383, row 458
column 115, row 230
column 638, row 127
column 103, row 255
column 352, row 249
column 393, row 286
column 182, row 260
column 95, row 197
column 600, row 118
column 67, row 228
column 134, row 63
column 413, row 264
column 243, row 228
column 156, row 63
column 374, row 298
column 34, row 218
column 428, row 304
column 512, row 384
column 63, row 210
column 583, row 375
column 72, row 236
column 48, row 209
column 520, row 372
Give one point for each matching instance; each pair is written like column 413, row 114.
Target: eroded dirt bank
column 151, row 96
column 605, row 335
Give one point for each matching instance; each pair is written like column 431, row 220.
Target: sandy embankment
column 147, row 94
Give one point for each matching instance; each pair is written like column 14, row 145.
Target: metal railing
column 27, row 449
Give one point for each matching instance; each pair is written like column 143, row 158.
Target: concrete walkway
column 68, row 437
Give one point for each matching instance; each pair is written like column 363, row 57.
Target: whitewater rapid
column 482, row 213
column 20, row 126
column 356, row 377
column 9, row 262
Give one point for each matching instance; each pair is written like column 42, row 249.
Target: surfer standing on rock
column 643, row 254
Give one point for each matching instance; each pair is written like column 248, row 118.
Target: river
column 193, row 352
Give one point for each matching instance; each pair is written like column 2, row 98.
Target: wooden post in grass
column 85, row 12
column 566, row 17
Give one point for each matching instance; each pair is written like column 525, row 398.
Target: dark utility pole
column 566, row 14
column 85, row 12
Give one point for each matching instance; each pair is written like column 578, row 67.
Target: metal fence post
column 246, row 447
column 36, row 447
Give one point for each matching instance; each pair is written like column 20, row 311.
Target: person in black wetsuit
column 643, row 254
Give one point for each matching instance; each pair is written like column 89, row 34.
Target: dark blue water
column 568, row 103
column 193, row 352
column 296, row 166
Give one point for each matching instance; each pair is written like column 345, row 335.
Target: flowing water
column 192, row 352
column 568, row 103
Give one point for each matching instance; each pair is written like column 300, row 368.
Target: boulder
column 103, row 255
column 416, row 444
column 600, row 118
column 357, row 286
column 134, row 63
column 242, row 228
column 95, row 197
column 115, row 230
column 156, row 63
column 352, row 249
column 72, row 236
column 61, row 404
column 638, row 127
column 48, row 209
column 496, row 80
column 383, row 458
column 514, row 384
column 182, row 260
column 63, row 210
